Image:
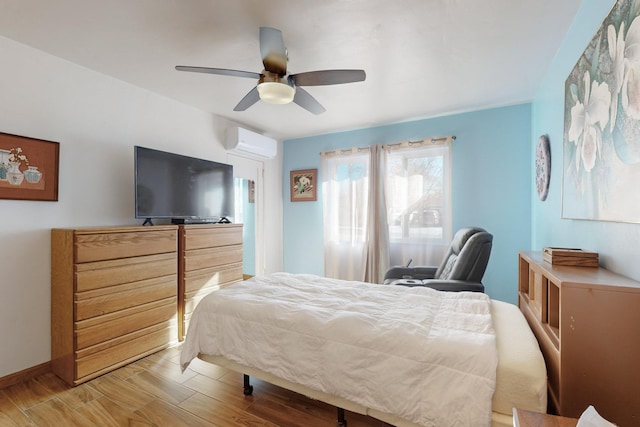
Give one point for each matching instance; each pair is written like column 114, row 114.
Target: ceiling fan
column 274, row 84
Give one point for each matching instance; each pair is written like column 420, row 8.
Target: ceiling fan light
column 276, row 93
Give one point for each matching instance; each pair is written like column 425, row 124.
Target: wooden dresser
column 210, row 257
column 587, row 321
column 113, row 297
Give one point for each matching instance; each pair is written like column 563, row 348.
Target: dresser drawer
column 104, row 328
column 123, row 350
column 101, row 274
column 212, row 277
column 113, row 245
column 212, row 257
column 212, row 236
column 103, row 301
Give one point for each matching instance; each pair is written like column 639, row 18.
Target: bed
column 409, row 356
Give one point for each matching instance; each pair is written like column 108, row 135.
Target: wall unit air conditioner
column 245, row 142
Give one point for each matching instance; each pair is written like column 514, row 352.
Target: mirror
column 245, row 213
column 250, row 213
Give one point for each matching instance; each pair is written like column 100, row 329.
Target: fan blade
column 328, row 77
column 221, row 71
column 308, row 102
column 273, row 51
column 249, row 99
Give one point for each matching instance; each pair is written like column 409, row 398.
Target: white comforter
column 427, row 356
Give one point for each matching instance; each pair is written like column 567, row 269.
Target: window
column 418, row 190
column 385, row 205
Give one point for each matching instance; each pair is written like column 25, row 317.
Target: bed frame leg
column 248, row 388
column 342, row 422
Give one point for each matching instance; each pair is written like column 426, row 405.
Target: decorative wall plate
column 543, row 166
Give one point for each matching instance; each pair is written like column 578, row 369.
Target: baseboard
column 25, row 375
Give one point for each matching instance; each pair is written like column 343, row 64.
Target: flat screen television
column 181, row 188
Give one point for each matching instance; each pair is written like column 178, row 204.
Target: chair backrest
column 468, row 255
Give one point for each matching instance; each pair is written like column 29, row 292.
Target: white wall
column 97, row 120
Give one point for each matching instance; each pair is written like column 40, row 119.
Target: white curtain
column 419, row 203
column 386, row 205
column 345, row 188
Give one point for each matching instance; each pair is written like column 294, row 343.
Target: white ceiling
column 423, row 58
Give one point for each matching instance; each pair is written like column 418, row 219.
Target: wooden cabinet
column 587, row 321
column 113, row 297
column 210, row 257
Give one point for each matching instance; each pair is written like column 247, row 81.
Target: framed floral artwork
column 304, row 185
column 601, row 147
column 28, row 168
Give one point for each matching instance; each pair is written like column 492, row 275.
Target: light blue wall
column 491, row 186
column 617, row 243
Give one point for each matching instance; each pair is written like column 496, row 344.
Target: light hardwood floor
column 153, row 392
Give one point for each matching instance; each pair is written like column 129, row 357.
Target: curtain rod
column 344, row 150
column 432, row 140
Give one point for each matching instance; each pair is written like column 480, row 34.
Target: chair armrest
column 419, row 273
column 453, row 285
column 403, row 282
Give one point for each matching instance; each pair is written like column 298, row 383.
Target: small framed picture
column 28, row 168
column 252, row 191
column 304, row 185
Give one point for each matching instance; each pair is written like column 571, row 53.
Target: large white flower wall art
column 602, row 123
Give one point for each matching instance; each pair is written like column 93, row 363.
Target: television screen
column 179, row 187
